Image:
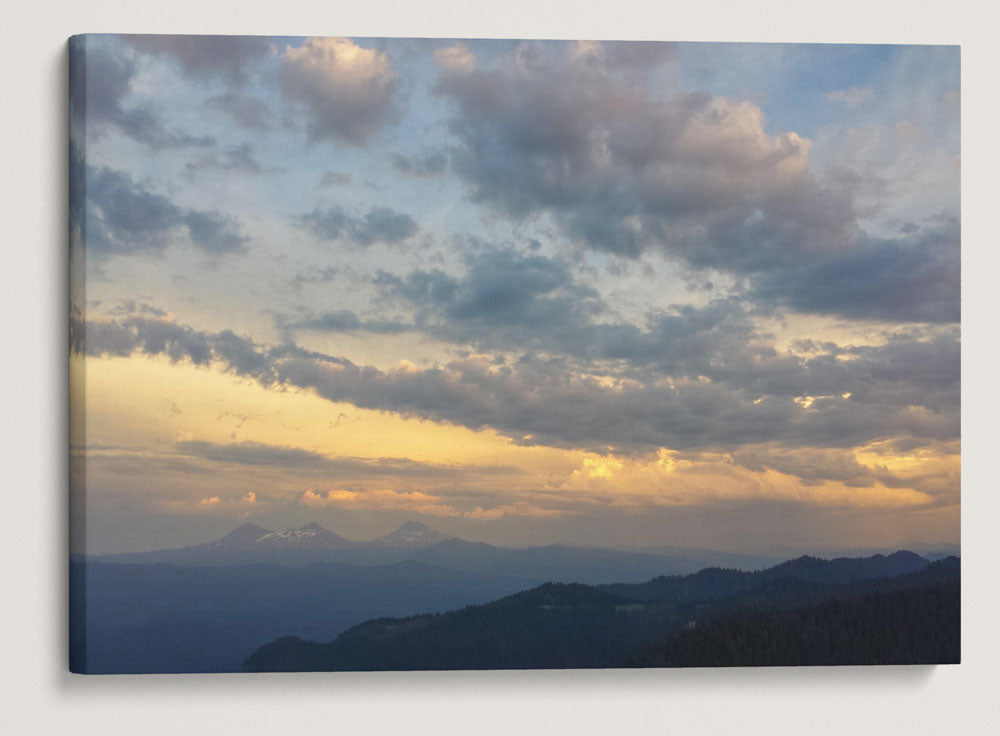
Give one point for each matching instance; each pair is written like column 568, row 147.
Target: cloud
column 811, row 465
column 336, row 179
column 346, row 91
column 423, row 165
column 551, row 130
column 504, row 299
column 509, row 300
column 127, row 217
column 908, row 387
column 423, row 503
column 101, row 82
column 200, row 57
column 378, row 225
column 130, row 306
column 380, row 500
column 457, row 59
column 619, row 169
column 806, row 476
column 244, row 110
column 253, row 453
column 344, row 320
column 913, row 278
column 851, row 97
column 235, row 159
column 297, row 459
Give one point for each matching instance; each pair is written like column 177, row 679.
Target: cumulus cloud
column 551, row 130
column 128, row 217
column 242, row 109
column 621, row 170
column 457, row 59
column 806, row 476
column 234, row 159
column 346, row 91
column 204, row 56
column 378, row 225
column 101, row 82
column 509, row 300
column 913, row 278
column 413, row 501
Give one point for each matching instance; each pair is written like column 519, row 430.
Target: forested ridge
column 878, row 610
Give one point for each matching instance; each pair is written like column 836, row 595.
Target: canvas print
column 420, row 354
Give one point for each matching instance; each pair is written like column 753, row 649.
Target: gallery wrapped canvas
column 414, row 354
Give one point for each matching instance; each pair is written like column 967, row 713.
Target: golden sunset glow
column 608, row 301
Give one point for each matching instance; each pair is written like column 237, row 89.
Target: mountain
column 574, row 625
column 801, row 574
column 249, row 544
column 554, row 625
column 252, row 544
column 914, row 619
column 553, row 563
column 310, row 536
column 242, row 536
column 412, row 534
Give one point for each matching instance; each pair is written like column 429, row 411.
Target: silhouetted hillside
column 565, row 626
column 916, row 625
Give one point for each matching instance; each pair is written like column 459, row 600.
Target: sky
column 618, row 294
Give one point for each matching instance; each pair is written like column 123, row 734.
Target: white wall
column 38, row 696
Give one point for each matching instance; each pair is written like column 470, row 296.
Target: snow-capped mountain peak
column 412, row 534
column 310, row 536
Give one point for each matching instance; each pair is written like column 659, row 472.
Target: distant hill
column 252, row 544
column 573, row 625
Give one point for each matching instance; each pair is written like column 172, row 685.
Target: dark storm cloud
column 542, row 402
column 551, row 129
column 378, row 225
column 204, row 56
column 127, row 217
column 102, row 80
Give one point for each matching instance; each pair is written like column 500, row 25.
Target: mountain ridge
column 558, row 625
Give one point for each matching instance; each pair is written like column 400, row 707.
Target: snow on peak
column 412, row 533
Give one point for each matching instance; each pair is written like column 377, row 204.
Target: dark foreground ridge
column 891, row 609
